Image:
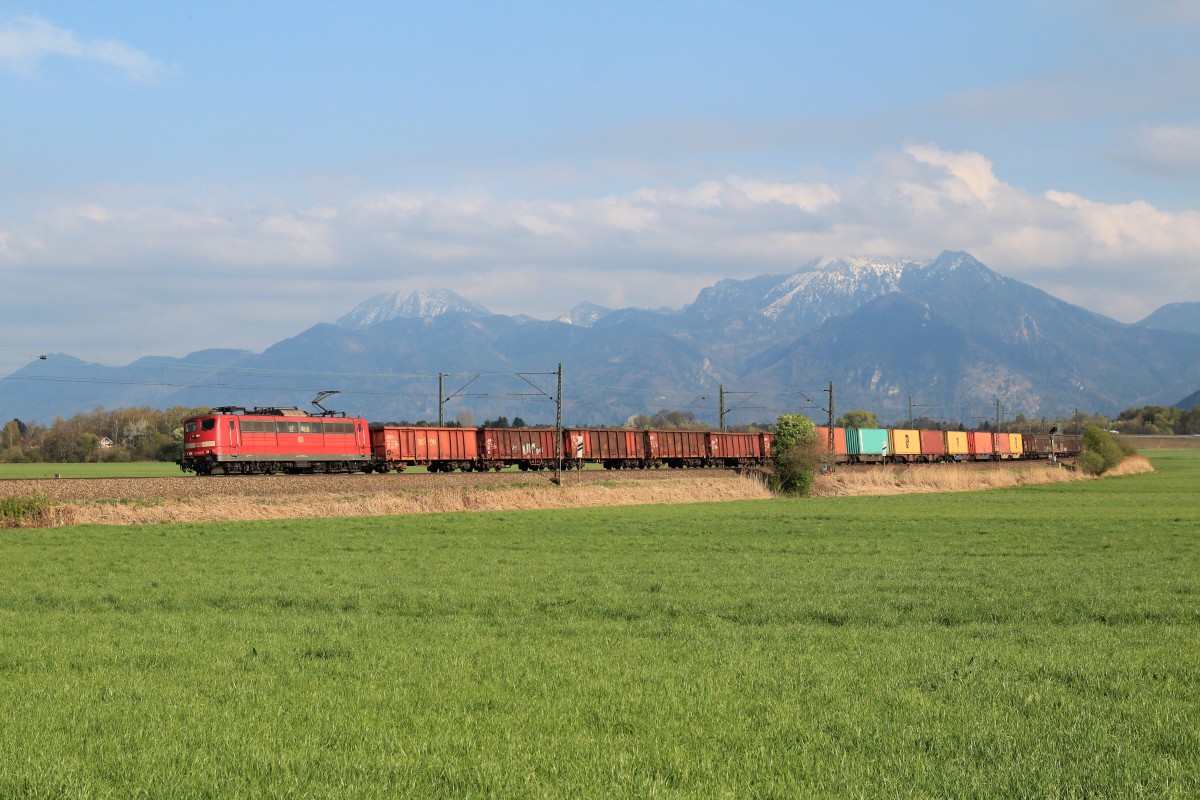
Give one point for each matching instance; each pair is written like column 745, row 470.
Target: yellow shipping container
column 904, row 443
column 1015, row 448
column 956, row 443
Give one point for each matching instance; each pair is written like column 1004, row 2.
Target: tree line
column 124, row 434
column 1159, row 420
column 1147, row 420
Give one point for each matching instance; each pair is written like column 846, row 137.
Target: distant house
column 105, row 442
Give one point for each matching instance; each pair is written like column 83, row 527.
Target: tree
column 858, row 418
column 795, row 454
column 10, row 435
column 89, row 446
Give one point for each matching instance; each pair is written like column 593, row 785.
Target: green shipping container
column 866, row 441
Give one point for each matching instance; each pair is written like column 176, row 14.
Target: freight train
column 231, row 440
column 901, row 446
column 262, row 441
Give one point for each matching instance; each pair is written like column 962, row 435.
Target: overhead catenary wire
column 225, row 378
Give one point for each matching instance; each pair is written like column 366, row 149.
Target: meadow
column 1030, row 642
column 131, row 469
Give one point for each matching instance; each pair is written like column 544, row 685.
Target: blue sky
column 177, row 176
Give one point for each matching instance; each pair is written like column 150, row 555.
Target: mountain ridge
column 948, row 331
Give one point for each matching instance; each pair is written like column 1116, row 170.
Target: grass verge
column 34, row 511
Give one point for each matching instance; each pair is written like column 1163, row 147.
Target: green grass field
column 134, row 469
column 1038, row 642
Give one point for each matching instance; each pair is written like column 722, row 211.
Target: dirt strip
column 190, row 499
column 131, row 502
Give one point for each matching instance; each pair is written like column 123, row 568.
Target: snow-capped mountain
column 820, row 290
column 424, row 304
column 585, row 315
column 948, row 332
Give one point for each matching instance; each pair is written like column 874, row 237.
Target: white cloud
column 1169, row 149
column 653, row 246
column 26, row 41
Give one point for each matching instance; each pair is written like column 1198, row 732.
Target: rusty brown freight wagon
column 678, row 448
column 439, row 449
column 614, row 448
column 1036, row 445
column 738, row 449
column 528, row 448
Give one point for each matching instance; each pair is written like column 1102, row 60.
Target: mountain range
column 948, row 335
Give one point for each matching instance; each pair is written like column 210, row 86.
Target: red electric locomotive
column 235, row 441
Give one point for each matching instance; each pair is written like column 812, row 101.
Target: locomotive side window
column 189, row 426
column 287, row 427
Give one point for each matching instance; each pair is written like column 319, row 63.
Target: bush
column 1126, row 447
column 1100, row 452
column 796, row 470
column 795, row 454
column 1092, row 463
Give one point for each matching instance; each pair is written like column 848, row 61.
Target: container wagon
column 957, row 445
column 1000, row 447
column 980, row 445
column 904, row 446
column 866, row 445
column 933, row 447
column 836, row 454
column 1016, row 445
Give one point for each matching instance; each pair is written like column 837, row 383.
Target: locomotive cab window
column 208, row 425
column 189, row 426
